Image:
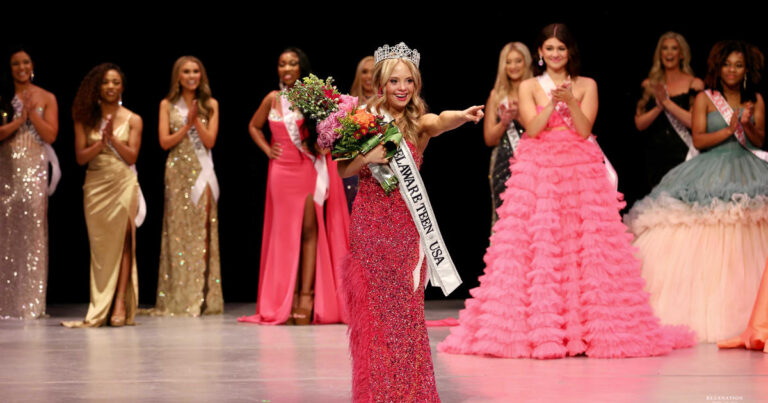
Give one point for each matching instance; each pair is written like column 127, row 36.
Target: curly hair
column 203, row 92
column 753, row 60
column 408, row 122
column 563, row 34
column 86, row 108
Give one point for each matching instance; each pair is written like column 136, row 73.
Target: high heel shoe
column 117, row 321
column 302, row 315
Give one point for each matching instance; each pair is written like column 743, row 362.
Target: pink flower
column 348, row 103
column 326, row 129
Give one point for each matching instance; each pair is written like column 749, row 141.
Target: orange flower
column 363, row 118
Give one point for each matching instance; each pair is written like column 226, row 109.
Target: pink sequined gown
column 290, row 180
column 560, row 277
column 391, row 360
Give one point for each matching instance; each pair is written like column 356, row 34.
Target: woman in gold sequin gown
column 28, row 120
column 189, row 280
column 107, row 138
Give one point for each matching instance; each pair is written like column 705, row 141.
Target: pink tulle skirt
column 560, row 277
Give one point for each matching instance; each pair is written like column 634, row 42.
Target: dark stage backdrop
column 459, row 59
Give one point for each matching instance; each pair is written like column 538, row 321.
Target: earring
column 32, row 76
column 380, row 93
column 541, row 61
column 120, row 101
column 282, row 86
column 745, row 80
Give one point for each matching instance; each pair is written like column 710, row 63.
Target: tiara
column 400, row 51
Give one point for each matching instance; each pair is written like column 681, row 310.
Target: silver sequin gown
column 23, row 224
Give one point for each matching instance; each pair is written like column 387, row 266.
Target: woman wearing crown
column 385, row 272
column 560, row 278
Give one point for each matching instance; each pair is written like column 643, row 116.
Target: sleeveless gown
column 664, row 149
column 189, row 276
column 23, row 223
column 702, row 234
column 290, row 180
column 560, row 279
column 111, row 202
column 499, row 172
column 389, row 345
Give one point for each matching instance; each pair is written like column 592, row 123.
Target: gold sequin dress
column 23, row 224
column 111, row 202
column 189, row 280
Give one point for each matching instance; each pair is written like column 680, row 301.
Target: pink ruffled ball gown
column 560, row 277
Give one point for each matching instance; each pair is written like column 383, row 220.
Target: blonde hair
column 656, row 74
column 357, row 84
column 408, row 122
column 203, row 92
column 503, row 85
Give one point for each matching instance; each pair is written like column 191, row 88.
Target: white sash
column 513, row 135
column 321, row 167
column 49, row 152
column 682, row 131
column 207, row 175
column 442, row 271
column 547, row 84
column 726, row 112
column 142, row 213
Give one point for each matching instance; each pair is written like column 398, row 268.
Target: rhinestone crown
column 399, row 51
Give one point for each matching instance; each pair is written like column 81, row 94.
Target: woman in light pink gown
column 305, row 219
column 560, row 278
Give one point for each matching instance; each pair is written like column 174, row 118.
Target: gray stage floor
column 216, row 359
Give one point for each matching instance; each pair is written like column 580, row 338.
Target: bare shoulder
column 697, row 84
column 528, row 83
column 133, row 117
column 646, row 83
column 427, row 118
column 585, row 83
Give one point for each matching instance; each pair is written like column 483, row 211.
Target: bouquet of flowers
column 344, row 129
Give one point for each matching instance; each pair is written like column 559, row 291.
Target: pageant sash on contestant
column 547, row 84
column 323, row 181
column 207, row 175
column 142, row 213
column 682, row 131
column 513, row 135
column 726, row 112
column 50, row 154
column 442, row 272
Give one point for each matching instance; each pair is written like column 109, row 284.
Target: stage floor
column 216, row 359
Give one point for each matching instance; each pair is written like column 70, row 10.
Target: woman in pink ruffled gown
column 560, row 278
column 305, row 219
column 391, row 358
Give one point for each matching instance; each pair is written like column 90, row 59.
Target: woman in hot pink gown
column 389, row 344
column 560, row 278
column 305, row 219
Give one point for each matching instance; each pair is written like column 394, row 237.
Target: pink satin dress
column 291, row 179
column 560, row 277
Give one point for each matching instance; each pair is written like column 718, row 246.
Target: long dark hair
column 563, row 34
column 7, row 88
column 86, row 108
column 309, row 123
column 753, row 60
